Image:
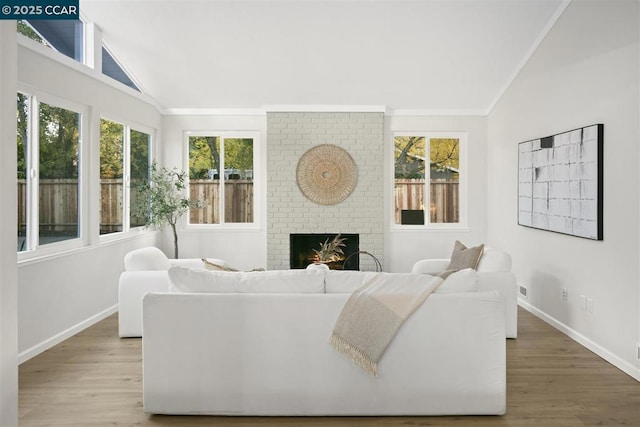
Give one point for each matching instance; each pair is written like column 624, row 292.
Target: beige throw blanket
column 374, row 313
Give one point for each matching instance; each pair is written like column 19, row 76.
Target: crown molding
column 436, row 112
column 324, row 108
column 213, row 112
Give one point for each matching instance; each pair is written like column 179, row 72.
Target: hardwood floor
column 94, row 379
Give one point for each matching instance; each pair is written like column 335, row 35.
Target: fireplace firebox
column 301, row 250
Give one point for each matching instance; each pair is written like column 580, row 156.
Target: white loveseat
column 254, row 353
column 494, row 271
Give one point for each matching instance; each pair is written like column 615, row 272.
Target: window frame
column 462, row 224
column 88, row 179
column 127, row 170
column 128, row 126
column 257, row 177
column 125, row 159
column 88, row 156
column 33, row 247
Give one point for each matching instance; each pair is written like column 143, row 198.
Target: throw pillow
column 460, row 281
column 220, row 265
column 463, row 257
column 216, row 264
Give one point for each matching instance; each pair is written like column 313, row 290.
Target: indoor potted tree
column 162, row 200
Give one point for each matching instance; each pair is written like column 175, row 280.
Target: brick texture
column 289, row 136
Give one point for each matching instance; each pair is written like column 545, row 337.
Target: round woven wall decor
column 326, row 174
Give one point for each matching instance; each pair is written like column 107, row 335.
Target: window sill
column 397, row 228
column 51, row 251
column 75, row 246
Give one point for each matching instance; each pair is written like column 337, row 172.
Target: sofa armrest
column 132, row 287
column 494, row 260
column 505, row 283
column 430, row 266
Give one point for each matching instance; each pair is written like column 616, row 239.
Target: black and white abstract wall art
column 560, row 183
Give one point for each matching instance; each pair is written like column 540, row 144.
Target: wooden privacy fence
column 444, row 205
column 59, row 202
column 111, row 195
column 238, row 201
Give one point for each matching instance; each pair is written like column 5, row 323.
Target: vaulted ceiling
column 441, row 55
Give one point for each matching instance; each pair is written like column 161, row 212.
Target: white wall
column 8, row 229
column 58, row 295
column 243, row 248
column 585, row 72
column 405, row 247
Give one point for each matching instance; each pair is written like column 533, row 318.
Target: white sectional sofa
column 494, row 271
column 254, row 353
column 146, row 271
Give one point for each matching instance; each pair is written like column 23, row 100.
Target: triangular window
column 112, row 69
column 64, row 35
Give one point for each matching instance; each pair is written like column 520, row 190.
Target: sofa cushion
column 460, row 281
column 146, row 259
column 463, row 257
column 345, row 281
column 276, row 281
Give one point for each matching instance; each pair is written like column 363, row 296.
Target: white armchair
column 494, row 271
column 145, row 270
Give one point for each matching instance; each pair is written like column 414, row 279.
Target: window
column 48, row 142
column 140, row 162
column 111, row 68
column 58, row 186
column 221, row 171
column 23, row 113
column 436, row 200
column 122, row 149
column 111, row 174
column 63, row 35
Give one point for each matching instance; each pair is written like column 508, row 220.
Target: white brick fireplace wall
column 289, row 136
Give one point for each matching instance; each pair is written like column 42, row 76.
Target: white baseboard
column 619, row 363
column 57, row 339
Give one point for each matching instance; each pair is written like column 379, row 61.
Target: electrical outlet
column 523, row 291
column 638, row 354
column 590, row 305
column 564, row 294
column 583, row 302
